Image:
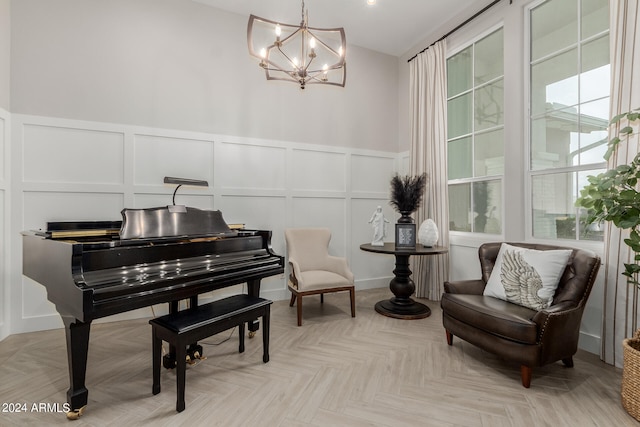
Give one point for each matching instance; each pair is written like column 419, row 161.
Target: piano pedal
column 75, row 414
column 195, row 351
column 169, row 361
column 193, row 354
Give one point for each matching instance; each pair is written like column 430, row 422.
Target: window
column 568, row 111
column 475, row 147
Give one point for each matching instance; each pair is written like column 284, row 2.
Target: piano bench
column 184, row 327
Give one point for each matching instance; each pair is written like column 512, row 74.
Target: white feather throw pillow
column 527, row 277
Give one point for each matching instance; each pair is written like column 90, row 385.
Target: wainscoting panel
column 258, row 213
column 3, row 147
column 4, row 225
column 373, row 268
column 318, row 171
column 35, row 303
column 72, row 155
column 404, row 161
column 3, row 251
column 323, row 212
column 146, row 200
column 263, row 184
column 370, row 174
column 261, row 213
column 157, row 156
column 42, row 207
column 250, row 167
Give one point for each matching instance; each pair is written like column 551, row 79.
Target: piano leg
column 253, row 289
column 77, row 333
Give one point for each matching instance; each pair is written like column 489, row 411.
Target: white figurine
column 379, row 224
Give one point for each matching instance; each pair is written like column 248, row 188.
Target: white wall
column 178, row 64
column 5, row 52
column 5, row 43
column 5, row 259
column 109, row 97
column 463, row 249
column 76, row 170
column 146, row 76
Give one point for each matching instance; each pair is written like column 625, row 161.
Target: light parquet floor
column 333, row 371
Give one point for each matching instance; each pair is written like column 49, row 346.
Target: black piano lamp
column 180, row 182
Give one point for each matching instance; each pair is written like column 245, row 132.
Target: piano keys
column 96, row 269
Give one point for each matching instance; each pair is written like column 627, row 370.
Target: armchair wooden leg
column 568, row 362
column 293, row 299
column 321, row 298
column 525, row 374
column 299, row 310
column 449, row 337
column 352, row 296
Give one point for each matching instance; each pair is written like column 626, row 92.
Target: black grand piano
column 157, row 255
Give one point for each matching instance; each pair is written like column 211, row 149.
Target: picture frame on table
column 405, row 236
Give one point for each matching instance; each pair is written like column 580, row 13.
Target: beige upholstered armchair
column 313, row 270
column 532, row 337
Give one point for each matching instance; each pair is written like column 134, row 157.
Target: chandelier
column 298, row 53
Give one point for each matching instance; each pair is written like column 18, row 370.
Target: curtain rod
column 458, row 27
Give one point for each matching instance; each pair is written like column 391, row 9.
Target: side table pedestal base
column 413, row 310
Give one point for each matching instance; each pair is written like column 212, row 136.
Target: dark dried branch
column 407, row 192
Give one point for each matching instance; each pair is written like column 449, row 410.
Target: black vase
column 405, row 231
column 405, row 218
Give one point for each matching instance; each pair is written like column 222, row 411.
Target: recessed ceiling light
column 371, row 2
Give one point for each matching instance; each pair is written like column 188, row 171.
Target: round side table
column 402, row 306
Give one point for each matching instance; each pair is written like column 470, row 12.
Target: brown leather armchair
column 516, row 333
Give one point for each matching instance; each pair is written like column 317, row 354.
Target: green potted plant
column 614, row 196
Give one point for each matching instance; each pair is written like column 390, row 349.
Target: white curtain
column 428, row 99
column 620, row 317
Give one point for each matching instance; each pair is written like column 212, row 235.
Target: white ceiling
column 390, row 26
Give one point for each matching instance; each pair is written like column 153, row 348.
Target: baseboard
column 4, row 331
column 590, row 343
column 375, row 283
column 53, row 321
column 38, row 323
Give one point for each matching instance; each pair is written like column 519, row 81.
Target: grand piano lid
column 161, row 222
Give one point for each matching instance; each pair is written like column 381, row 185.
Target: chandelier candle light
column 298, row 53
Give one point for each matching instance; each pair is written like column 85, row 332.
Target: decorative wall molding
column 5, row 259
column 66, row 169
column 77, row 170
